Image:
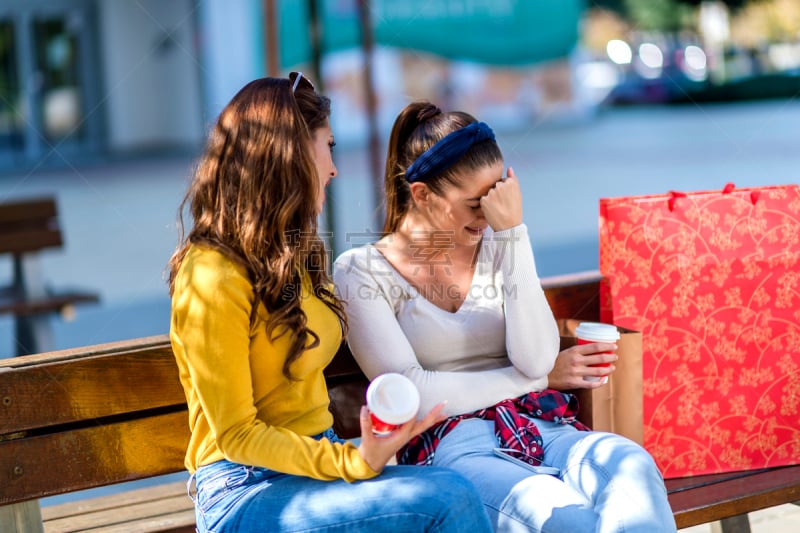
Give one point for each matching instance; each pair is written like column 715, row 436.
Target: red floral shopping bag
column 712, row 280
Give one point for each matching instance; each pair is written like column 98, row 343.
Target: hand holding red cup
column 592, row 332
column 393, row 400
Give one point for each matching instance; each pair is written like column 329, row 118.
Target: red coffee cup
column 591, row 332
column 393, row 400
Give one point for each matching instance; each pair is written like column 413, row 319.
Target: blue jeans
column 237, row 498
column 607, row 483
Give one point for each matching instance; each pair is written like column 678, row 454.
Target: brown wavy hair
column 419, row 126
column 253, row 197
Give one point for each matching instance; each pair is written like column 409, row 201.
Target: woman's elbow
column 535, row 365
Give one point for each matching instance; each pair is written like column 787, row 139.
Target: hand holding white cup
column 393, row 400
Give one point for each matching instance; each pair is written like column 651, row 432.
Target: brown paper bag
column 615, row 407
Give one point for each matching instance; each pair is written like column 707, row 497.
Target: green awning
column 495, row 32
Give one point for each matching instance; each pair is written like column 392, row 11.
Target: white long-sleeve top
column 501, row 343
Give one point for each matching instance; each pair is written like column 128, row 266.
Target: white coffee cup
column 393, row 400
column 591, row 332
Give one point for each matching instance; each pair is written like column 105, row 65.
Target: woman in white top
column 450, row 298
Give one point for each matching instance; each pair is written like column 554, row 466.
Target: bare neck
column 415, row 235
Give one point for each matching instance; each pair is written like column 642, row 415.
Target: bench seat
column 708, row 498
column 167, row 508
column 163, row 508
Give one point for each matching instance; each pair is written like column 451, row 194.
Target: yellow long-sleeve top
column 241, row 406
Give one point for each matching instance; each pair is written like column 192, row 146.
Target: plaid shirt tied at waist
column 512, row 427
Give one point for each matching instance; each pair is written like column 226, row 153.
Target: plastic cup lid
column 393, row 398
column 597, row 331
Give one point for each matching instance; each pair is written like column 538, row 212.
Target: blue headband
column 446, row 153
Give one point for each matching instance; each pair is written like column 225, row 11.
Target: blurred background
column 83, row 79
column 104, row 104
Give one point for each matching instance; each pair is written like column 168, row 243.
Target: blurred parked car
column 653, row 72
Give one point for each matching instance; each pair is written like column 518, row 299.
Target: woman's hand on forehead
column 502, row 204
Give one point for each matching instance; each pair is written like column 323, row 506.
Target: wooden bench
column 111, row 413
column 28, row 227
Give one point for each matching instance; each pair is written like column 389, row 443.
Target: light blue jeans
column 236, row 498
column 607, row 483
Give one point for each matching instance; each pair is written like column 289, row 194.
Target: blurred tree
column 601, row 26
column 659, row 15
column 766, row 21
column 620, row 6
column 733, row 4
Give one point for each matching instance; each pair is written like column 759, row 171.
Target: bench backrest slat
column 574, row 296
column 28, row 226
column 117, row 347
column 45, row 465
column 87, row 388
column 347, row 387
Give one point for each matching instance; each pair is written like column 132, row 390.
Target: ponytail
column 418, row 127
column 398, row 194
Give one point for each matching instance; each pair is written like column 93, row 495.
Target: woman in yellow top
column 254, row 322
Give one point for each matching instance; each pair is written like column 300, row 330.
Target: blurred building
column 81, row 79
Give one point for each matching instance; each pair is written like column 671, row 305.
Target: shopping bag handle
column 729, row 187
column 754, row 194
column 673, row 197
